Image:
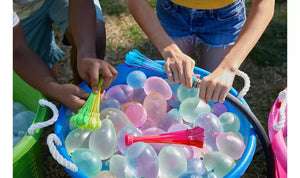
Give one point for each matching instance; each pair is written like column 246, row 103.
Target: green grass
column 113, row 7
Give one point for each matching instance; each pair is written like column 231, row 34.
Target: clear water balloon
column 178, row 127
column 156, row 106
column 221, row 163
column 184, row 93
column 18, row 107
column 142, row 160
column 230, row 122
column 117, row 165
column 121, row 137
column 22, row 121
column 159, row 85
column 136, row 79
column 118, row 118
column 172, row 161
column 105, row 174
column 104, row 140
column 87, row 161
column 110, row 103
column 196, row 165
column 76, row 139
column 190, row 108
column 171, row 118
column 231, row 144
column 122, row 93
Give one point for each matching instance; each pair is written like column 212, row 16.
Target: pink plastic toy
column 277, row 126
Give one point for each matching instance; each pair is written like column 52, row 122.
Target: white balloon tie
column 246, row 87
column 51, row 139
column 39, row 125
column 282, row 97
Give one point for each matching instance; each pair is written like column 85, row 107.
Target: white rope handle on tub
column 282, row 98
column 51, row 139
column 38, row 125
column 244, row 91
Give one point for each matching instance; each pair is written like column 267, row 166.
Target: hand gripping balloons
column 159, row 85
column 104, row 140
column 142, row 160
column 231, row 144
column 87, row 161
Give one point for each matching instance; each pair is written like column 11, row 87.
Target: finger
column 82, row 94
column 114, row 72
column 94, row 77
column 223, row 94
column 188, row 75
column 107, row 77
column 202, row 92
column 209, row 90
column 216, row 94
column 175, row 73
column 181, row 75
column 169, row 72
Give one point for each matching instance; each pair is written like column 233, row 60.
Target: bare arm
column 177, row 63
column 82, row 20
column 31, row 69
column 222, row 77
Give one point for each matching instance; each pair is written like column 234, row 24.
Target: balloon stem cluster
column 193, row 137
column 88, row 117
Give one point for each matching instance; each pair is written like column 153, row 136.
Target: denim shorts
column 215, row 28
column 39, row 33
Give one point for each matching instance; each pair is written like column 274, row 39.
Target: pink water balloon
column 148, row 124
column 137, row 114
column 157, row 84
column 156, row 106
column 129, row 103
column 231, row 144
column 122, row 93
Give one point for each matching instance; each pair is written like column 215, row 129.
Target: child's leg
column 186, row 45
column 59, row 15
column 211, row 57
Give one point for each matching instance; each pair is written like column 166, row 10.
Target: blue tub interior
column 62, row 127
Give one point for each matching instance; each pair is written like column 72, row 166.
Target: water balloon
column 136, row 79
column 159, row 85
column 191, row 108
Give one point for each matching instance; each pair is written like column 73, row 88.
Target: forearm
column 259, row 17
column 82, row 21
column 148, row 21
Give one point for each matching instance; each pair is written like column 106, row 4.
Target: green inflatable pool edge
column 27, row 159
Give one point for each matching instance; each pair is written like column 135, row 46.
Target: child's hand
column 179, row 67
column 71, row 96
column 216, row 85
column 90, row 68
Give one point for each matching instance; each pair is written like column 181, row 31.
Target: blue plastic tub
column 62, row 125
